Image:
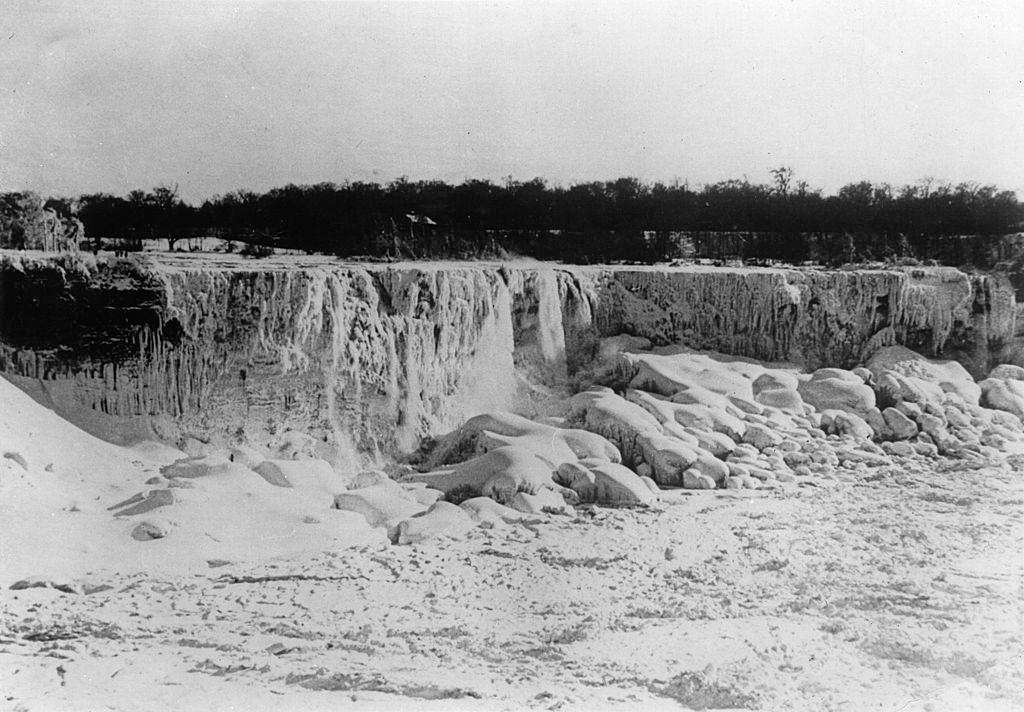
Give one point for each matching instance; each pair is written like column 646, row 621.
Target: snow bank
column 69, row 506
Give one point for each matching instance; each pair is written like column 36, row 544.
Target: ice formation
column 370, row 359
column 407, row 352
column 288, row 388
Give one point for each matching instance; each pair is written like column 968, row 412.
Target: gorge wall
column 371, row 358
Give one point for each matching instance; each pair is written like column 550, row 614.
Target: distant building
column 419, row 219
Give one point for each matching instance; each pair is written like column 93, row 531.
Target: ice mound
column 75, row 508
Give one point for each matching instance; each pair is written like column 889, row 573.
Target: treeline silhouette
column 624, row 219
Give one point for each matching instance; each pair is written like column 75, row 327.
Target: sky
column 218, row 96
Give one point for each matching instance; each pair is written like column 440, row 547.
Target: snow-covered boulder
column 499, row 474
column 380, row 505
column 902, row 427
column 949, row 376
column 310, row 474
column 543, row 502
column 1006, row 394
column 605, row 483
column 442, row 519
column 829, row 392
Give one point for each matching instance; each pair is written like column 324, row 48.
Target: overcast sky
column 112, row 96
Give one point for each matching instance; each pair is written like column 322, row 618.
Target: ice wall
column 372, row 358
column 811, row 317
column 378, row 358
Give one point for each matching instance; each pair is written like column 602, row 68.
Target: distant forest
column 624, row 219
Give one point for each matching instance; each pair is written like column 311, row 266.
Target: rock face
column 816, row 317
column 372, row 358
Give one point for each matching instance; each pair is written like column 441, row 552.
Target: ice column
column 490, row 382
column 551, row 331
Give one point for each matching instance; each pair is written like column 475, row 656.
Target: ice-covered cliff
column 813, row 317
column 371, row 358
column 27, row 223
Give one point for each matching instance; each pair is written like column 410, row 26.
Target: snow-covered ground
column 876, row 581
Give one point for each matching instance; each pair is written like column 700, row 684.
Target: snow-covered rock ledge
column 371, row 358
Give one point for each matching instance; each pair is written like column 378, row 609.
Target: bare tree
column 166, row 205
column 783, row 176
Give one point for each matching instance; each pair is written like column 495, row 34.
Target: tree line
column 626, row 218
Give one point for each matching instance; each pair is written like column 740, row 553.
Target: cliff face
column 813, row 317
column 372, row 358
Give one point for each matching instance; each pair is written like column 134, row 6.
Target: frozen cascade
column 934, row 299
column 490, row 382
column 551, row 332
column 346, row 456
column 372, row 358
column 372, row 361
